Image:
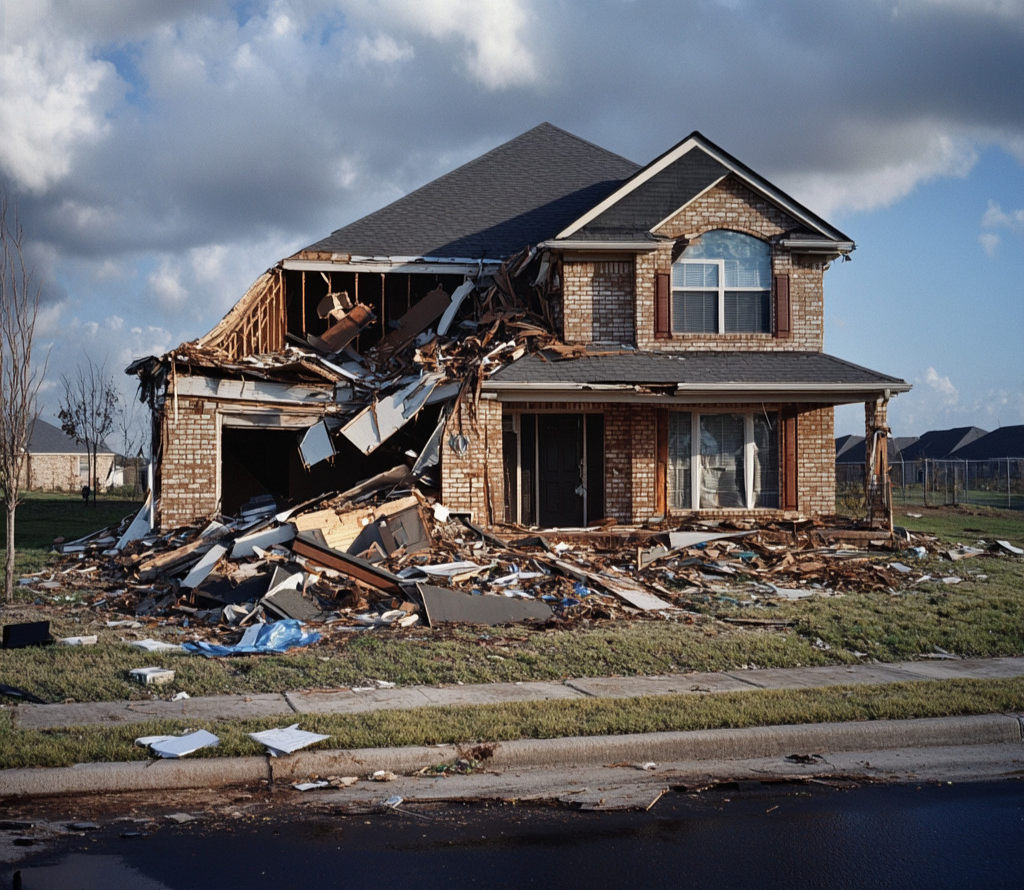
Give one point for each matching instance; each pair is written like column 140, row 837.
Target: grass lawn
column 982, row 615
column 44, row 516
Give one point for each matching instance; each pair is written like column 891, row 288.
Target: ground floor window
column 723, row 460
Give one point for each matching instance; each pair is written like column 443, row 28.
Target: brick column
column 472, row 461
column 188, row 465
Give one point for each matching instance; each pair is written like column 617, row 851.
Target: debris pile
column 386, row 556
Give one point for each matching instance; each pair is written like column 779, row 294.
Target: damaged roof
column 514, row 196
column 692, row 372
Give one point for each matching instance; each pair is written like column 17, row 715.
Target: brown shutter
column 783, row 327
column 662, row 322
column 790, row 488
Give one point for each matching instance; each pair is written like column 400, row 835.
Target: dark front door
column 560, row 469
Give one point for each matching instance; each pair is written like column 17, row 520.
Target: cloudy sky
column 163, row 154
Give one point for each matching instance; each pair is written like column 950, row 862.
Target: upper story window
column 721, row 284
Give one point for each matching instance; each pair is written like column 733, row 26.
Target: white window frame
column 721, row 289
column 696, row 462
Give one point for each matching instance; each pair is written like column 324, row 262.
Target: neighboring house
column 850, row 449
column 57, row 462
column 685, row 377
column 1007, row 441
column 942, row 444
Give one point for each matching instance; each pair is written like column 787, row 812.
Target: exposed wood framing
column 256, row 325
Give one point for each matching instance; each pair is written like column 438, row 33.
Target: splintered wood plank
column 338, row 530
column 343, row 332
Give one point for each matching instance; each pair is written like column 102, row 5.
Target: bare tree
column 88, row 411
column 132, row 431
column 19, row 380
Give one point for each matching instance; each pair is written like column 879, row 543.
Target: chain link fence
column 998, row 482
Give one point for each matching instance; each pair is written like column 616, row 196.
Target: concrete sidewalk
column 354, row 701
column 706, row 749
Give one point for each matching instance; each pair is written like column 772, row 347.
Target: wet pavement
column 745, row 833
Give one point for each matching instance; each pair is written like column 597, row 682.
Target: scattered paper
column 178, row 746
column 287, row 740
column 155, row 645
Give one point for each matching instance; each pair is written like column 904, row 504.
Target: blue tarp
column 278, row 637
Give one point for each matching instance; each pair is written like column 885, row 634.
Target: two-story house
column 688, row 377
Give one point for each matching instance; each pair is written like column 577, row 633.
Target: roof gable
column 1007, row 441
column 938, row 444
column 673, row 180
column 45, row 438
column 514, row 196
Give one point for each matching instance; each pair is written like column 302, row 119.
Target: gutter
column 408, row 264
column 689, row 394
column 603, row 246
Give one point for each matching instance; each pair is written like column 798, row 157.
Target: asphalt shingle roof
column 938, row 444
column 45, row 438
column 514, row 196
column 1007, row 441
column 780, row 368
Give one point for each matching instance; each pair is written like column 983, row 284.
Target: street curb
column 713, row 744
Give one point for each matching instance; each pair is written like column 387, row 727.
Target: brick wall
column 473, row 481
column 816, row 462
column 60, row 472
column 189, row 466
column 598, row 301
column 730, row 205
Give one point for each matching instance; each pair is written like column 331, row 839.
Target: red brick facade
column 612, row 300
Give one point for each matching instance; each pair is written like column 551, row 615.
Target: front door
column 560, row 469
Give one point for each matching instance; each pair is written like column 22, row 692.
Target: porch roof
column 632, row 375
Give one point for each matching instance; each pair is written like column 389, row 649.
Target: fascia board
column 602, row 246
column 258, row 391
column 834, row 395
column 407, row 265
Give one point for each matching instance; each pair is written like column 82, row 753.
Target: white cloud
column 892, row 172
column 989, row 242
column 164, row 285
column 497, row 33
column 941, row 385
column 996, row 217
column 384, row 49
column 53, row 97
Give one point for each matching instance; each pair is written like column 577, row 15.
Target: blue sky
column 162, row 155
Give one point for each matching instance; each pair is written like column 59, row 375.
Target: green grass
column 45, row 516
column 531, row 720
column 983, row 615
column 964, row 524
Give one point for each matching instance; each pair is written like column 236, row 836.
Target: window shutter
column 783, row 327
column 790, row 499
column 661, row 308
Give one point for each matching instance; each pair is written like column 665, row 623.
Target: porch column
column 471, row 461
column 877, row 485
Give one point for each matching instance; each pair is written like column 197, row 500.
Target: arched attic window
column 722, row 284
